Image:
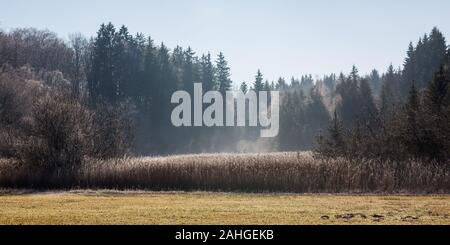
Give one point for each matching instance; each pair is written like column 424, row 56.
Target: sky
column 281, row 37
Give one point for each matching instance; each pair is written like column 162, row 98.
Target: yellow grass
column 219, row 208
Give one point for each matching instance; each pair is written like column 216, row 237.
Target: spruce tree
column 223, row 74
column 369, row 112
column 437, row 93
column 354, row 76
column 207, row 73
column 150, row 71
column 102, row 84
column 333, row 145
column 409, row 69
column 436, row 106
column 413, row 135
column 424, row 60
column 350, row 106
column 281, row 84
column 258, row 84
column 189, row 73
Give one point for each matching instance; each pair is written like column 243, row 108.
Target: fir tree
column 281, row 84
column 354, row 76
column 369, row 112
column 102, row 84
column 413, row 135
column 333, row 145
column 189, row 73
column 438, row 92
column 223, row 74
column 258, row 84
column 207, row 73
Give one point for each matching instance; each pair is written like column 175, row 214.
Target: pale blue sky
column 281, row 37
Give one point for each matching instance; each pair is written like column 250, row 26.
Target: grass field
column 219, row 208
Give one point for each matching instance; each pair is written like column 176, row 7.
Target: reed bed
column 290, row 172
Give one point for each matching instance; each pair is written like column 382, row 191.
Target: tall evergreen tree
column 424, row 60
column 281, row 84
column 189, row 76
column 102, row 84
column 369, row 112
column 350, row 106
column 437, row 108
column 177, row 61
column 413, row 137
column 258, row 84
column 207, row 73
column 151, row 70
column 223, row 74
column 437, row 95
column 354, row 76
column 409, row 66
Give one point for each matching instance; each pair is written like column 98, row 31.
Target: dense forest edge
column 72, row 113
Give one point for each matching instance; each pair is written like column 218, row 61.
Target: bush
column 52, row 132
column 59, row 132
column 16, row 98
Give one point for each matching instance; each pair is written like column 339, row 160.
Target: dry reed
column 268, row 172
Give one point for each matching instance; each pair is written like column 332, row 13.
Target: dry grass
column 268, row 172
column 219, row 208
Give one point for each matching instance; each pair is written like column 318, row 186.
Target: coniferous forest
column 131, row 74
column 108, row 96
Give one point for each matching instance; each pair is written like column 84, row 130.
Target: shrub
column 16, row 97
column 59, row 133
column 52, row 132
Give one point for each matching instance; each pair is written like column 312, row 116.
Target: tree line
column 129, row 79
column 409, row 119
